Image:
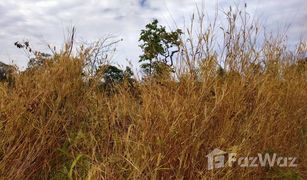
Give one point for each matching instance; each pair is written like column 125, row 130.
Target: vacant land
column 56, row 121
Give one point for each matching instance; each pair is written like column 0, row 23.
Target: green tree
column 111, row 76
column 6, row 73
column 159, row 47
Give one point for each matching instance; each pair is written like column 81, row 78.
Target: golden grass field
column 54, row 125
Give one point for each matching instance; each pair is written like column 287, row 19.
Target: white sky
column 45, row 22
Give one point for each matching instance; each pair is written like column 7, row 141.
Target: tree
column 6, row 73
column 111, row 75
column 3, row 71
column 36, row 58
column 159, row 47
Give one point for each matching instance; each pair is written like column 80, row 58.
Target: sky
column 43, row 22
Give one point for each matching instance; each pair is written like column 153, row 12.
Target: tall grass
column 247, row 98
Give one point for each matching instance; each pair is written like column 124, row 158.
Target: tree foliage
column 36, row 58
column 159, row 47
column 6, row 73
column 110, row 76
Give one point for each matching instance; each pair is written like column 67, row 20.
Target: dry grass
column 53, row 125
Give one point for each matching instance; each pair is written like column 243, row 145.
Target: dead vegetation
column 245, row 98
